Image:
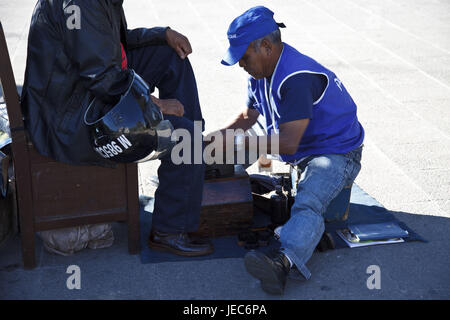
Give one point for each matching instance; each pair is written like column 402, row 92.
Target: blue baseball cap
column 253, row 24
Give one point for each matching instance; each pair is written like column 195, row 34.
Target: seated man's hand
column 179, row 43
column 169, row 106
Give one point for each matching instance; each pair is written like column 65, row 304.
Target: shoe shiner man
column 314, row 116
column 81, row 52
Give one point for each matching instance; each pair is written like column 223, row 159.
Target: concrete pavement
column 392, row 56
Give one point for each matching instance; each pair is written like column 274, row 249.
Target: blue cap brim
column 234, row 54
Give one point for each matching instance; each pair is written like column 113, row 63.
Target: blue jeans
column 179, row 194
column 321, row 181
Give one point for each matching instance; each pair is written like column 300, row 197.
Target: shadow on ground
column 112, row 273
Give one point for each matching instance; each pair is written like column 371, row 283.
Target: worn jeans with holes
column 323, row 177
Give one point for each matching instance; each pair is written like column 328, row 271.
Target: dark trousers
column 179, row 194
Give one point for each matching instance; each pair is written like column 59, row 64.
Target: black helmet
column 134, row 130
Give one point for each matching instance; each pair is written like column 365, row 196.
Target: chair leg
column 133, row 209
column 28, row 246
column 27, row 227
column 133, row 233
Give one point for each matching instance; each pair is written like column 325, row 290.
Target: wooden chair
column 52, row 194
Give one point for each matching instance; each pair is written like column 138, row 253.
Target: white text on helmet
column 113, row 149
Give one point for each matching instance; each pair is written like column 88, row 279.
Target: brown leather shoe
column 179, row 243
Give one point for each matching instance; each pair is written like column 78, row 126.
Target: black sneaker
column 271, row 270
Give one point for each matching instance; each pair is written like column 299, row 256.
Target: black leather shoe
column 179, row 243
column 271, row 270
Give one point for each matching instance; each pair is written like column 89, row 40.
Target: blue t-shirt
column 296, row 91
column 300, row 90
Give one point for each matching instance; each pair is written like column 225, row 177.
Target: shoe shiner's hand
column 179, row 43
column 169, row 106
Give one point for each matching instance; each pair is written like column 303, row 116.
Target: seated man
column 81, row 50
column 314, row 117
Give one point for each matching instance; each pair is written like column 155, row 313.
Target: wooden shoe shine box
column 227, row 205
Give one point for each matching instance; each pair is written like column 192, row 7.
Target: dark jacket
column 68, row 64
